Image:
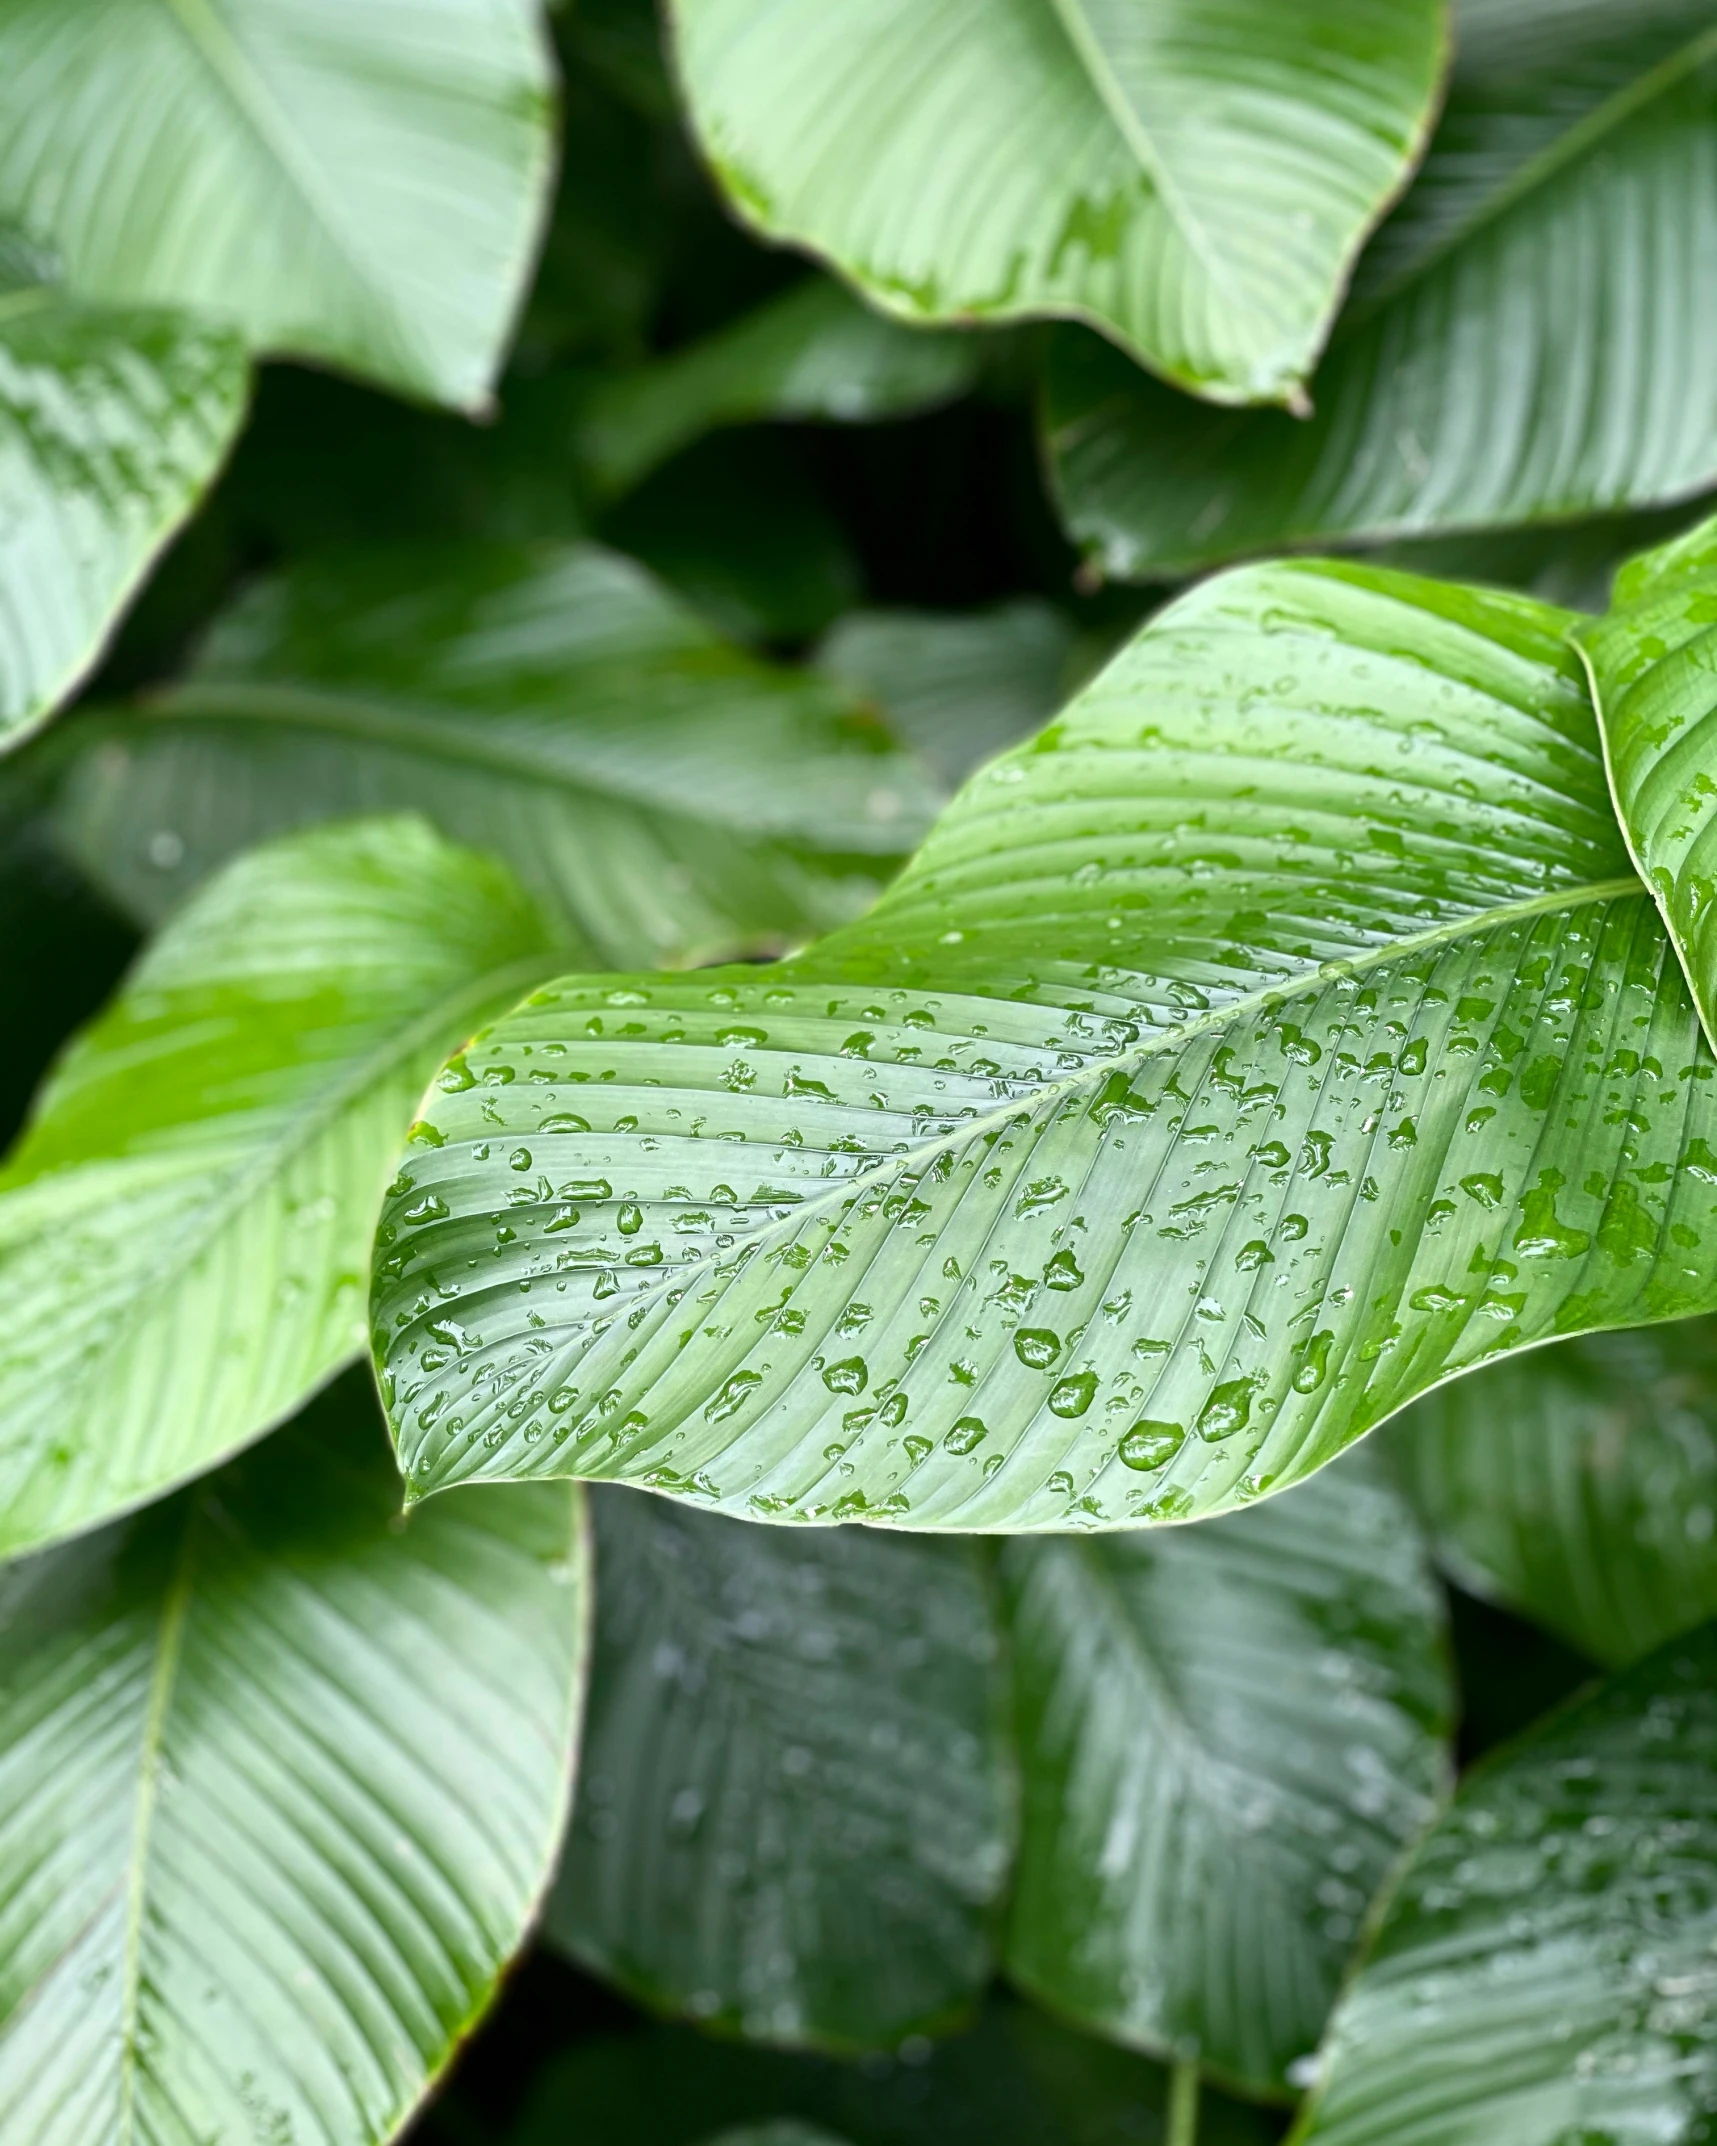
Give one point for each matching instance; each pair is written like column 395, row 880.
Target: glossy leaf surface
column 1194, row 182
column 279, row 1788
column 1227, row 1735
column 183, row 1224
column 664, row 795
column 795, row 1816
column 111, row 425
column 1543, row 1975
column 1527, row 337
column 1651, row 661
column 1578, row 1485
column 350, row 180
column 1279, row 1034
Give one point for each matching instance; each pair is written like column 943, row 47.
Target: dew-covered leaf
column 1527, row 337
column 1281, row 1032
column 280, row 1787
column 1195, row 182
column 1543, row 1976
column 350, row 180
column 664, row 795
column 183, row 1224
column 1227, row 1735
column 1578, row 1485
column 796, row 1813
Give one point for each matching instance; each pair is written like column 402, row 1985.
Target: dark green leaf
column 1195, row 182
column 1527, row 342
column 1544, row 1974
column 796, row 1812
column 279, row 1789
column 662, row 794
column 1228, row 1733
column 1579, row 1486
column 183, row 1225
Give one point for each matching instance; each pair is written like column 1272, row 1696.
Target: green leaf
column 1579, row 1486
column 1228, row 1734
column 1650, row 662
column 184, row 1222
column 813, row 353
column 279, row 1789
column 662, row 794
column 787, row 2132
column 958, row 687
column 1504, row 358
column 112, row 424
column 341, row 179
column 1281, row 1033
column 1194, row 183
column 1543, row 1976
column 796, row 1815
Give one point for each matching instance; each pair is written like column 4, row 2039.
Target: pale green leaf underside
column 1195, row 182
column 1281, row 1033
column 1543, row 1975
column 183, row 1224
column 279, row 1789
column 1527, row 341
column 666, row 797
column 1653, row 666
column 1579, row 1486
column 1227, row 1733
column 111, row 425
column 353, row 180
column 795, row 1816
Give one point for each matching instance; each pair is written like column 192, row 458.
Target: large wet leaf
column 1281, row 1032
column 280, row 1786
column 1527, row 340
column 1227, row 1734
column 184, row 1221
column 795, row 1816
column 664, row 795
column 1579, row 1485
column 1194, row 182
column 1652, row 661
column 111, row 425
column 1544, row 1973
column 341, row 179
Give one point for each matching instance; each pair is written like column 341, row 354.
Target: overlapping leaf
column 341, row 179
column 1195, row 182
column 795, row 1815
column 1579, row 1485
column 1228, row 1733
column 279, row 1789
column 664, row 795
column 1527, row 340
column 184, row 1222
column 1279, row 1034
column 1544, row 1973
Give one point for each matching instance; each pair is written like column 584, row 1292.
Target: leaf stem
column 1183, row 2103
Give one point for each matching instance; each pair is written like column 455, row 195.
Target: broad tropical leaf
column 1651, row 661
column 1544, row 1973
column 279, row 1789
column 1227, row 1735
column 664, row 795
column 796, row 1815
column 1195, row 182
column 184, row 1222
column 815, row 353
column 958, row 688
column 350, row 180
column 1579, row 1485
column 1527, row 340
column 111, row 425
column 1280, row 1033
